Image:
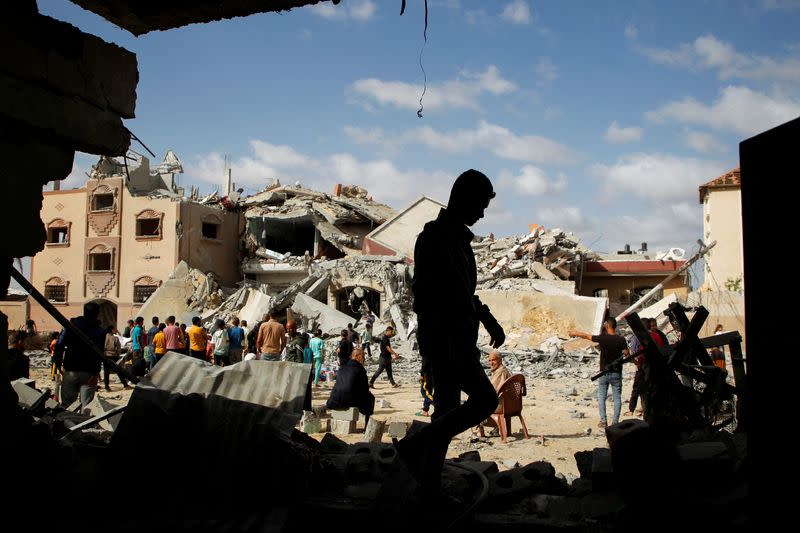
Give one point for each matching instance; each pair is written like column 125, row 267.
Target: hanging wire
column 424, row 74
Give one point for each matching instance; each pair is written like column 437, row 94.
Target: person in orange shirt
column 197, row 339
column 160, row 342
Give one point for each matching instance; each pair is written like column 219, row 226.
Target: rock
column 384, row 404
column 374, row 430
column 398, row 429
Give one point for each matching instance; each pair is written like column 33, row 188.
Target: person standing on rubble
column 221, row 341
column 271, row 338
column 345, row 348
column 138, row 342
column 317, row 348
column 445, row 272
column 238, row 339
column 295, row 353
column 612, row 348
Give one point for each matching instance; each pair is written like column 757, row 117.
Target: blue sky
column 597, row 117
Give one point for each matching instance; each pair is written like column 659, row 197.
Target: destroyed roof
column 143, row 16
column 398, row 235
column 731, row 179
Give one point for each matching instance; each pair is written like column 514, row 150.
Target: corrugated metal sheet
column 281, row 386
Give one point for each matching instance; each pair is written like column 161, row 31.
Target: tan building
column 624, row 278
column 722, row 222
column 116, row 239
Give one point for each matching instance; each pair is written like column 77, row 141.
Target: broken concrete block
column 348, row 415
column 343, row 427
column 319, row 410
column 398, row 429
column 541, row 271
column 312, row 424
column 472, row 456
column 384, row 404
column 28, row 396
column 538, row 477
column 329, row 320
column 374, row 430
column 583, row 461
column 510, row 463
column 602, row 470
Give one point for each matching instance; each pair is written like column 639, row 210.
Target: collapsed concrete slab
column 328, row 319
column 659, row 307
column 171, row 297
column 257, row 304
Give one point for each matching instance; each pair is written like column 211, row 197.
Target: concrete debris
column 319, row 315
column 548, row 255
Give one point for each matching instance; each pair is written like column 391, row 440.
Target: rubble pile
column 549, row 255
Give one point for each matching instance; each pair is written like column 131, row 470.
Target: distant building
column 628, row 275
column 114, row 240
column 722, row 222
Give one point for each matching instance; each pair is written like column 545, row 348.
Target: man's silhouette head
column 470, row 197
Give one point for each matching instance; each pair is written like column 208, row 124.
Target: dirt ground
column 549, row 412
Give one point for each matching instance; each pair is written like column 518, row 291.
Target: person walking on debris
column 317, row 348
column 366, row 339
column 271, row 338
column 112, row 349
column 385, row 358
column 351, row 389
column 81, row 366
column 612, row 348
column 345, row 348
column 445, row 271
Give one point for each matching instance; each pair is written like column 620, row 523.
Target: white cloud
column 702, row 142
column 661, row 227
column 738, row 109
column 360, row 10
column 568, row 218
column 462, row 92
column 496, row 139
column 546, row 71
column 533, row 181
column 657, row 177
column 709, row 53
column 517, row 12
column 618, row 135
column 381, row 177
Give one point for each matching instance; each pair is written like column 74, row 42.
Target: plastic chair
column 510, row 404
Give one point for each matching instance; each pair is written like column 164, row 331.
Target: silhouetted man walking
column 445, row 273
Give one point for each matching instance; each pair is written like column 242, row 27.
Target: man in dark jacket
column 445, row 273
column 351, row 388
column 81, row 366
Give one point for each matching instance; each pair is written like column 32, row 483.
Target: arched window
column 103, row 199
column 58, row 232
column 55, row 290
column 143, row 288
column 149, row 224
column 101, row 259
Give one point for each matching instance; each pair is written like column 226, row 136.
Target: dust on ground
column 550, row 410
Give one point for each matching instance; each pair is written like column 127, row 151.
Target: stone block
column 374, row 430
column 312, row 424
column 348, row 415
column 398, row 429
column 602, row 470
column 538, row 477
column 343, row 427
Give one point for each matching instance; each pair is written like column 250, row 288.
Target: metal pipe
column 703, row 250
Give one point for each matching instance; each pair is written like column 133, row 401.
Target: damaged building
column 117, row 238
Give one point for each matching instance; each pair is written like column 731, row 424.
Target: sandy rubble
column 548, row 410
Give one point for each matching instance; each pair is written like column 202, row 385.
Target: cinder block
column 343, row 427
column 398, row 429
column 348, row 415
column 312, row 424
